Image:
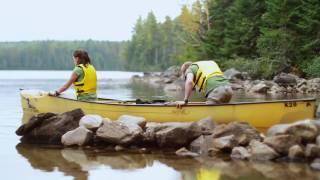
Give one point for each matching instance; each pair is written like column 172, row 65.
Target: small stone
column 118, row 148
column 296, row 152
column 240, row 153
column 186, row 153
column 316, row 164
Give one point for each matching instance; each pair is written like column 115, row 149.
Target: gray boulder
column 202, row 144
column 50, row 130
column 233, row 74
column 243, row 132
column 312, row 151
column 225, row 143
column 128, row 119
column 91, row 121
column 261, row 152
column 285, row 79
column 119, row 133
column 176, row 134
column 207, row 125
column 282, row 143
column 296, row 152
column 306, row 130
column 79, row 136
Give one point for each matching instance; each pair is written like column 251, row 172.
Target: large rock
column 79, row 136
column 285, row 79
column 202, row 144
column 243, row 132
column 233, row 74
column 119, row 133
column 172, row 71
column 34, row 122
column 306, row 130
column 258, row 87
column 225, row 143
column 207, row 125
column 91, row 121
column 296, row 152
column 176, row 134
column 282, row 143
column 128, row 119
column 50, row 130
column 312, row 151
column 261, row 152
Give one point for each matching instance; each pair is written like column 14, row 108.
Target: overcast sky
column 78, row 19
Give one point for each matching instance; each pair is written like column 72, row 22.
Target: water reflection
column 83, row 164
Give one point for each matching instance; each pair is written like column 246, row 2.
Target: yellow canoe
column 258, row 114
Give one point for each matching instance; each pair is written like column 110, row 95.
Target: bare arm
column 72, row 79
column 188, row 86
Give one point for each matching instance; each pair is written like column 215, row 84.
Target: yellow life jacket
column 89, row 82
column 207, row 69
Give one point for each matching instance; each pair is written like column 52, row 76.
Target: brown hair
column 184, row 67
column 83, row 56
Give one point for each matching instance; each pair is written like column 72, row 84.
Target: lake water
column 42, row 162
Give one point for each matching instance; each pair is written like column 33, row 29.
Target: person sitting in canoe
column 83, row 77
column 207, row 77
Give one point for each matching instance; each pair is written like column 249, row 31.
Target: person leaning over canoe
column 83, row 77
column 207, row 77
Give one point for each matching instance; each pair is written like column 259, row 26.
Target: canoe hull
column 260, row 115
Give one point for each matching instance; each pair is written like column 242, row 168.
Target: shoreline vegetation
column 261, row 37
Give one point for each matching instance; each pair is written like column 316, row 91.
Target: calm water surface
column 37, row 162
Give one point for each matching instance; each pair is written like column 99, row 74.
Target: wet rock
column 202, row 144
column 177, row 134
column 260, row 87
column 50, row 130
column 243, row 132
column 119, row 133
column 186, row 153
column 285, row 79
column 207, row 125
column 79, row 136
column 282, row 143
column 149, row 135
column 233, row 74
column 240, row 153
column 172, row 71
column 225, row 143
column 316, row 164
column 128, row 119
column 261, row 152
column 312, row 151
column 91, row 121
column 296, row 152
column 277, row 129
column 34, row 122
column 306, row 130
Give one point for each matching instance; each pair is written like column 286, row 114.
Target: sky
column 27, row 20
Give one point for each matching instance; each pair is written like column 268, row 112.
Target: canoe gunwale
column 190, row 104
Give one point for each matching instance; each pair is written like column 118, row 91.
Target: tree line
column 57, row 55
column 263, row 37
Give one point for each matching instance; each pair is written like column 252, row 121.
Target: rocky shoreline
column 170, row 80
column 297, row 142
